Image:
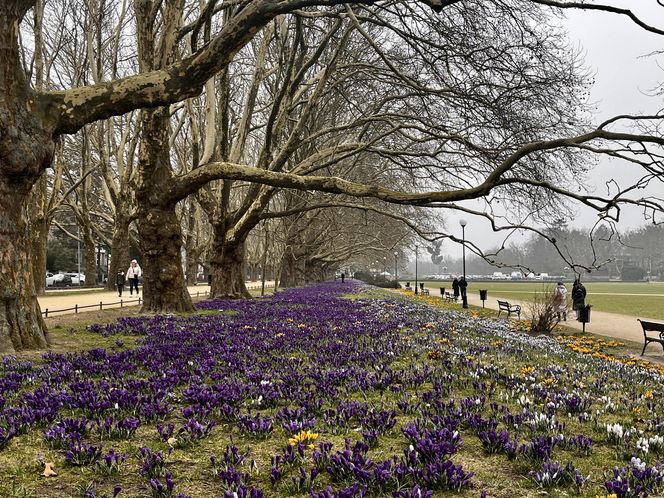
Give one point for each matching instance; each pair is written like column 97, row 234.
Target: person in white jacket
column 133, row 273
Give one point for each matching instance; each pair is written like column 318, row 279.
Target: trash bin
column 584, row 315
column 210, row 279
column 442, row 292
column 483, row 293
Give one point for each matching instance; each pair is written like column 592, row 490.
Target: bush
column 543, row 312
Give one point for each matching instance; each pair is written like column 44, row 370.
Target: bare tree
column 32, row 120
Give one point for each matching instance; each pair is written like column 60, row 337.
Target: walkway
column 614, row 325
column 56, row 300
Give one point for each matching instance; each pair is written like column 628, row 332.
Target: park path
column 613, row 325
column 56, row 300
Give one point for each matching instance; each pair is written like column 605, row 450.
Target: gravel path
column 57, row 300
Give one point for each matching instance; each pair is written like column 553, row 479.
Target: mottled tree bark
column 39, row 226
column 293, row 272
column 160, row 234
column 227, row 268
column 90, row 257
column 25, row 146
column 119, row 250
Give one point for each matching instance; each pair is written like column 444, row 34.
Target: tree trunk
column 192, row 268
column 164, row 287
column 90, row 256
column 39, row 226
column 227, row 268
column 26, row 149
column 119, row 247
column 21, row 323
column 292, row 270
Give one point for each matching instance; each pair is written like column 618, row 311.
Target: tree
column 31, row 121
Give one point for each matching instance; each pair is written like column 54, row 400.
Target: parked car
column 76, row 278
column 58, row 279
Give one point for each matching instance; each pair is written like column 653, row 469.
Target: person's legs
column 120, row 286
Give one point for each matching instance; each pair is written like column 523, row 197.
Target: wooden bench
column 423, row 291
column 652, row 327
column 510, row 308
column 449, row 297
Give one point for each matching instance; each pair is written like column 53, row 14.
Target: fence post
column 120, row 303
column 139, row 301
column 101, row 306
column 76, row 308
column 46, row 312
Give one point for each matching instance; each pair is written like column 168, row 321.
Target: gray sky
column 616, row 51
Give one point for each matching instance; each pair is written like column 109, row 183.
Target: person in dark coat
column 463, row 285
column 120, row 282
column 343, row 277
column 455, row 288
column 578, row 296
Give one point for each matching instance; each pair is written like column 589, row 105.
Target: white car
column 76, row 278
column 54, row 278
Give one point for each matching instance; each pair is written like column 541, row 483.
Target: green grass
column 638, row 299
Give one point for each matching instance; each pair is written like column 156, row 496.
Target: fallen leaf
column 49, row 470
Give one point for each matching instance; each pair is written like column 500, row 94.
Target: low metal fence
column 122, row 302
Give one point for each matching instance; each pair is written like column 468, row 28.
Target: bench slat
column 651, row 327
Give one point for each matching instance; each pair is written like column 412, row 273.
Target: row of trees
column 630, row 255
column 181, row 124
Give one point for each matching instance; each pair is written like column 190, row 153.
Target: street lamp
column 464, row 297
column 415, row 269
column 385, row 267
column 396, row 274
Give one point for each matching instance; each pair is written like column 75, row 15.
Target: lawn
column 334, row 390
column 628, row 298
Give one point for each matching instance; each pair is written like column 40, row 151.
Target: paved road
column 57, row 300
column 614, row 325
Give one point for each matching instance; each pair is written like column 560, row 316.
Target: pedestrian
column 578, row 296
column 455, row 288
column 120, row 282
column 343, row 277
column 560, row 301
column 133, row 273
column 463, row 285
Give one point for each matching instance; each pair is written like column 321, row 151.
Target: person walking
column 463, row 285
column 560, row 301
column 120, row 282
column 455, row 288
column 133, row 273
column 578, row 296
column 343, row 277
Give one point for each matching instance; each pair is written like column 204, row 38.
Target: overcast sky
column 616, row 51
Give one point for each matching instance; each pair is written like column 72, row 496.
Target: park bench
column 449, row 297
column 424, row 291
column 652, row 327
column 510, row 308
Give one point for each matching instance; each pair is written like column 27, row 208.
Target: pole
column 396, row 274
column 78, row 254
column 415, row 269
column 464, row 296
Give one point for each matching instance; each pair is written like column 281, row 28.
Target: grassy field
column 627, row 298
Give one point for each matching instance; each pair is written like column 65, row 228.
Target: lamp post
column 415, row 269
column 464, row 297
column 385, row 267
column 396, row 274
